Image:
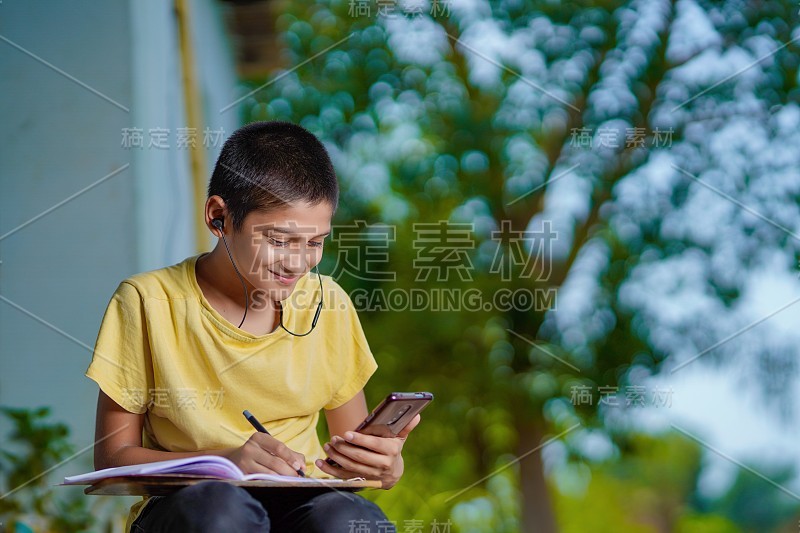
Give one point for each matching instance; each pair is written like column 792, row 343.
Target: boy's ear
column 215, row 210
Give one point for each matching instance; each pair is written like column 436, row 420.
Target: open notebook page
column 203, row 465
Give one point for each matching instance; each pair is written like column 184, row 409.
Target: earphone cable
column 244, row 285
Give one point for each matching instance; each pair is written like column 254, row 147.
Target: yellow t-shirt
column 162, row 350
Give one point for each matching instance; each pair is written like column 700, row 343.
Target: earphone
column 220, row 224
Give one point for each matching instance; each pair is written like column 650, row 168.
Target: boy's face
column 275, row 249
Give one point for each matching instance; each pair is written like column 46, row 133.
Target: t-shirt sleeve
column 121, row 362
column 357, row 362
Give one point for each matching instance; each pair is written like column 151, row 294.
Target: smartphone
column 392, row 415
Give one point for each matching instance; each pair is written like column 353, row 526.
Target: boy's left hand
column 368, row 456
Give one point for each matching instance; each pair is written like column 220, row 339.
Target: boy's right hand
column 265, row 454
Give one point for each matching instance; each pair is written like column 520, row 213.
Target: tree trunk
column 538, row 515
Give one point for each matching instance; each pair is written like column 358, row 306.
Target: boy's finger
column 300, row 460
column 370, row 442
column 336, row 471
column 411, row 425
column 359, row 454
column 350, row 466
column 281, row 451
column 278, row 464
column 261, row 469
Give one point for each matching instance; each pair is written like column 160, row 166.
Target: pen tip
column 246, row 413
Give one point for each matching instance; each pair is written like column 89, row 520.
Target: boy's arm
column 118, row 442
column 118, row 438
column 347, row 416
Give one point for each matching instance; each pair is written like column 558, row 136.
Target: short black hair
column 267, row 165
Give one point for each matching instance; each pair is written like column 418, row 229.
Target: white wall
column 99, row 68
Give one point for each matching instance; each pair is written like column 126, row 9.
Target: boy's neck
column 215, row 271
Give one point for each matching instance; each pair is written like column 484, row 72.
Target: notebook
column 201, row 465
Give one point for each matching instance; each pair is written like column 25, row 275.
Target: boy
column 171, row 360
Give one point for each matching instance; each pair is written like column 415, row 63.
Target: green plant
column 28, row 501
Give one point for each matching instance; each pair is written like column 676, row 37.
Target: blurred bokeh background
column 615, row 183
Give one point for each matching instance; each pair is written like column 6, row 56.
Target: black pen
column 256, row 424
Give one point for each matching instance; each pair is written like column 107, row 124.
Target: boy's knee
column 213, row 492
column 220, row 506
column 337, row 511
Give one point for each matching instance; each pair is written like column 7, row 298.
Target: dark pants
column 219, row 506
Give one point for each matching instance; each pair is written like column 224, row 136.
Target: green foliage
column 29, row 502
column 639, row 492
column 47, row 444
column 653, row 486
column 755, row 504
column 418, row 141
column 705, row 523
